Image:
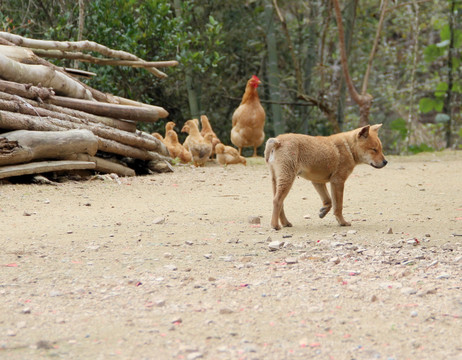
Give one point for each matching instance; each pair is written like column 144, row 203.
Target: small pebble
column 226, row 311
column 194, row 356
column 275, row 245
column 254, row 220
column 160, row 303
column 291, row 260
column 159, row 220
column 335, row 260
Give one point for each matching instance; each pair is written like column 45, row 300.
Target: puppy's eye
column 374, row 150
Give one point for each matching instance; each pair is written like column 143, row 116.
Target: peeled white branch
column 39, row 74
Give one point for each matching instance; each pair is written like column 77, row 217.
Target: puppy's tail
column 271, row 145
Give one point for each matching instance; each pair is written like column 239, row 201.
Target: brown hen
column 249, row 119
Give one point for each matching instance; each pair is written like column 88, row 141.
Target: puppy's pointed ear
column 376, row 127
column 364, row 132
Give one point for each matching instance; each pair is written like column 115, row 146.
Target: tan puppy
column 321, row 160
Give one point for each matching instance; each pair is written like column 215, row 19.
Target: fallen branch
column 105, row 166
column 75, row 46
column 136, row 113
column 43, row 167
column 14, row 92
column 44, row 75
column 27, row 91
column 56, row 54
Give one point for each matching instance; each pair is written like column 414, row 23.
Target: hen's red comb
column 254, row 77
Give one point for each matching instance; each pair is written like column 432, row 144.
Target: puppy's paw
column 323, row 211
column 276, row 227
column 343, row 222
column 287, row 224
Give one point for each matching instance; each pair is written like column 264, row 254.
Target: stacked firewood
column 50, row 121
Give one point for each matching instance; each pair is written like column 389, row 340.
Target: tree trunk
column 34, row 145
column 310, row 64
column 447, row 108
column 193, row 89
column 192, row 86
column 363, row 100
column 273, row 72
column 350, row 18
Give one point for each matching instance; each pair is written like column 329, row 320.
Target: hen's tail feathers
column 271, row 144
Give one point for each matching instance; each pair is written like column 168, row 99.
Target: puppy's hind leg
column 325, row 197
column 282, row 187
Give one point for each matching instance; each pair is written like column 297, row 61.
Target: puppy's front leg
column 326, row 200
column 337, row 188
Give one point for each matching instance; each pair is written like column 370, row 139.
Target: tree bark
column 34, row 145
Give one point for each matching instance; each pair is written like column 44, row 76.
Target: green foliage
column 399, row 126
column 415, row 149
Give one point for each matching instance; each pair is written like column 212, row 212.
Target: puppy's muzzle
column 381, row 165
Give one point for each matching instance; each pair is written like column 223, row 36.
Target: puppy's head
column 369, row 146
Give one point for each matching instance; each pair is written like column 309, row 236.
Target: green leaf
column 426, row 105
column 439, row 104
column 445, row 33
column 399, row 125
column 432, row 52
column 441, row 89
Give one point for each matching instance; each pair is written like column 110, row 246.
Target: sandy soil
column 170, row 266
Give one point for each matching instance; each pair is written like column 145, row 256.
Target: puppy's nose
column 385, row 162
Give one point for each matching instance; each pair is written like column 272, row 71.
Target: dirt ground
column 176, row 266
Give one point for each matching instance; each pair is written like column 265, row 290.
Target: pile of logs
column 50, row 121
